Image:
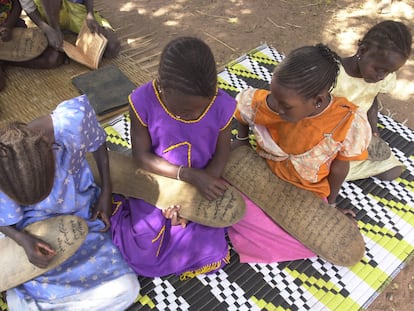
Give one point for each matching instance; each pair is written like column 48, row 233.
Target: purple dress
column 148, row 242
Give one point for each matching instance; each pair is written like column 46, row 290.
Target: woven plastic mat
column 385, row 213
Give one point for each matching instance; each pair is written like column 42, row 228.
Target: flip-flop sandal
column 64, row 233
column 163, row 192
column 25, row 44
column 378, row 149
column 323, row 229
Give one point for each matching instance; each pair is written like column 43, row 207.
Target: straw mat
column 32, row 93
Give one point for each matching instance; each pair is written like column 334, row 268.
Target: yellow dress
column 361, row 93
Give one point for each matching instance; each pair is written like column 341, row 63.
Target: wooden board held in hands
column 64, row 233
column 129, row 180
column 323, row 229
column 25, row 44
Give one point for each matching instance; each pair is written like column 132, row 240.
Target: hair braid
column 27, row 165
column 187, row 65
column 390, row 35
column 309, row 70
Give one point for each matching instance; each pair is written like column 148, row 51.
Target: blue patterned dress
column 97, row 261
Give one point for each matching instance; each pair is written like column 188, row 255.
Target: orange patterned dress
column 300, row 153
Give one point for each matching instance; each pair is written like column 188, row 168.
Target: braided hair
column 27, row 164
column 309, row 70
column 187, row 65
column 389, row 35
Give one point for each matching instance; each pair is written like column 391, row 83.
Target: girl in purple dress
column 179, row 129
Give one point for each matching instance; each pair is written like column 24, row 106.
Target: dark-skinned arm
column 38, row 252
column 93, row 25
column 338, row 171
column 242, row 132
column 52, row 28
column 221, row 155
column 372, row 115
column 146, row 159
column 142, row 151
column 103, row 207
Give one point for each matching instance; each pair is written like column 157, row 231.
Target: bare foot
column 391, row 174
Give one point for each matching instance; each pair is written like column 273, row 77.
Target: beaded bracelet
column 241, row 138
column 178, row 172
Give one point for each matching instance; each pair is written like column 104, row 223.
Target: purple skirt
column 154, row 248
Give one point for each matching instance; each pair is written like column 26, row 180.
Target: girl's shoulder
column 75, row 121
column 224, row 100
column 146, row 89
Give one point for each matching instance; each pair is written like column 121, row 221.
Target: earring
column 157, row 83
column 318, row 105
column 358, row 57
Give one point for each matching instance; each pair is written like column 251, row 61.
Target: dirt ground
column 233, row 27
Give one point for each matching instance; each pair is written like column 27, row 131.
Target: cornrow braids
column 389, row 35
column 27, row 164
column 309, row 70
column 187, row 65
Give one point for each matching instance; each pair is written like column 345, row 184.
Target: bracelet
column 178, row 172
column 332, row 205
column 242, row 138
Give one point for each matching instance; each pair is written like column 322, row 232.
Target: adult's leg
column 52, row 9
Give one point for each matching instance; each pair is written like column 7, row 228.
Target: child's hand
column 5, row 34
column 209, row 186
column 172, row 213
column 38, row 252
column 103, row 209
column 348, row 212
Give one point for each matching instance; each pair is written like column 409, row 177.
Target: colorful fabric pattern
column 385, row 213
column 5, row 8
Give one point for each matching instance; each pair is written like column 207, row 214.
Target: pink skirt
column 258, row 239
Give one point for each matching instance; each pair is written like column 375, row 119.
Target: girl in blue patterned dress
column 44, row 174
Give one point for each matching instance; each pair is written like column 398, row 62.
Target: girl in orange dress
column 307, row 136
